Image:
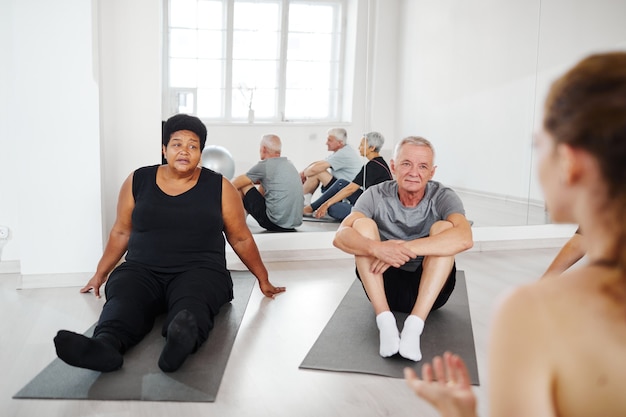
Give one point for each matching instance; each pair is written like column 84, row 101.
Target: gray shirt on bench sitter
column 283, row 190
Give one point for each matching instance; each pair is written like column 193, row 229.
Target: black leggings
column 254, row 203
column 137, row 295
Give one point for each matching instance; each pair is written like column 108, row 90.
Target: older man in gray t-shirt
column 277, row 204
column 404, row 235
column 343, row 163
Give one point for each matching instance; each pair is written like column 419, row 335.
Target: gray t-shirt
column 283, row 190
column 345, row 163
column 381, row 203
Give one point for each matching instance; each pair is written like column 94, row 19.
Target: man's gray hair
column 272, row 143
column 374, row 139
column 413, row 140
column 339, row 133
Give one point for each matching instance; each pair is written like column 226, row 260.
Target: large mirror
column 470, row 76
column 474, row 77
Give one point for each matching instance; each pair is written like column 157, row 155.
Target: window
column 265, row 60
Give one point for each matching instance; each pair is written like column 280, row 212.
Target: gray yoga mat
column 323, row 219
column 140, row 379
column 310, row 224
column 349, row 342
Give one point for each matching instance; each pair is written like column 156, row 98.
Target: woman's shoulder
column 147, row 168
column 144, row 173
column 534, row 297
column 209, row 173
column 378, row 163
column 530, row 313
column 140, row 178
column 555, row 303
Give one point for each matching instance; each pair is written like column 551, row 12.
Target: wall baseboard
column 10, row 267
column 76, row 279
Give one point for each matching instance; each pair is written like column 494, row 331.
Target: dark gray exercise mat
column 349, row 342
column 310, row 224
column 323, row 219
column 198, row 380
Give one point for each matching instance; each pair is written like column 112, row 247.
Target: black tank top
column 175, row 233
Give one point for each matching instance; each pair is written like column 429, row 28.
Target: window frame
column 335, row 95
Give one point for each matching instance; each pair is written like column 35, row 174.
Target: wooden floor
column 262, row 377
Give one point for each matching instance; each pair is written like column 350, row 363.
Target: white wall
column 567, row 35
column 383, row 69
column 473, row 76
column 8, row 140
column 84, row 103
column 130, row 93
column 50, row 143
column 467, row 79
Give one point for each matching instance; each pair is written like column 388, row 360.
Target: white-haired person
column 337, row 201
column 343, row 164
column 271, row 190
column 404, row 235
column 558, row 345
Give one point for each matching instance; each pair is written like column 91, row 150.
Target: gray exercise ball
column 219, row 160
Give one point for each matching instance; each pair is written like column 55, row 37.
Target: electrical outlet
column 4, row 232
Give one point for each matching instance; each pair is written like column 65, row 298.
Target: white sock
column 389, row 335
column 410, row 338
column 307, row 199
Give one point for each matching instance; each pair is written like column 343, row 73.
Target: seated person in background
column 557, row 345
column 573, row 251
column 404, row 235
column 339, row 198
column 171, row 222
column 344, row 163
column 276, row 203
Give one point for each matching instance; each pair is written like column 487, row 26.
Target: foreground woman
column 558, row 346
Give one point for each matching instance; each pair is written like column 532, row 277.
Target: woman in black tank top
column 171, row 223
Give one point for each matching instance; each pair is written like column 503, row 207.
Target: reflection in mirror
column 488, row 211
column 264, row 61
column 469, row 80
column 473, row 82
